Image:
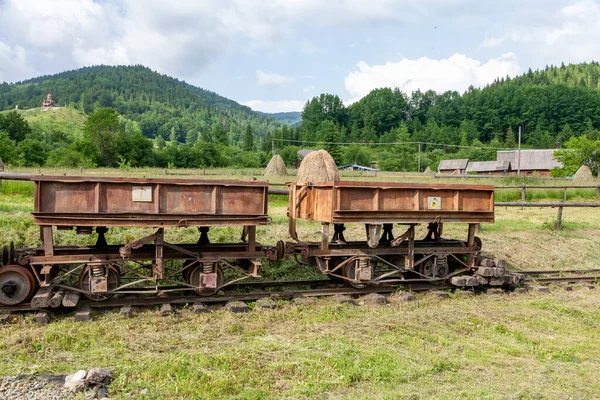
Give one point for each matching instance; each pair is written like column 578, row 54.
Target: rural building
column 488, row 167
column 356, row 167
column 49, row 102
column 455, row 167
column 303, row 153
column 533, row 162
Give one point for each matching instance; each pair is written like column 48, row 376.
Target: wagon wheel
column 113, row 282
column 350, row 274
column 193, row 279
column 16, row 285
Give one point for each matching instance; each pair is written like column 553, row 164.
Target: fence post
column 524, row 193
column 560, row 212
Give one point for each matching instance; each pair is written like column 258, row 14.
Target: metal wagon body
column 380, row 205
column 149, row 263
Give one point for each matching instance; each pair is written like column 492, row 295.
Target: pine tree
column 248, row 139
column 510, row 142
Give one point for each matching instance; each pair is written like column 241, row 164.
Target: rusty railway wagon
column 383, row 258
column 149, row 265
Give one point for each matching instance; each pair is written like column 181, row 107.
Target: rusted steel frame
column 188, row 182
column 396, row 242
column 125, row 251
column 195, row 248
column 180, row 249
column 410, row 217
column 460, row 261
column 409, row 261
column 437, row 279
column 87, row 258
column 470, row 242
column 125, row 270
column 145, row 220
column 63, row 276
column 400, row 185
column 389, row 251
column 180, row 270
column 47, row 240
column 293, row 202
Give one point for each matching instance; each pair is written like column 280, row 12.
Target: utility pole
column 419, row 159
column 519, row 154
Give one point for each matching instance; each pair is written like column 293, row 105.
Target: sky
column 274, row 55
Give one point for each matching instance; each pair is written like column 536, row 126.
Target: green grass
column 531, row 346
column 61, row 119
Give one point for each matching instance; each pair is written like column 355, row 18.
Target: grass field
column 527, row 346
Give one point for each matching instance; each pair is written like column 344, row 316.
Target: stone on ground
column 304, row 301
column 237, row 307
column 441, row 294
column 275, row 167
column 494, row 291
column 407, row 296
column 166, row 309
column 200, row 308
column 97, row 376
column 76, row 382
column 521, row 290
column 266, row 303
column 42, row 317
column 342, row 299
column 126, row 311
column 83, row 315
column 375, row 298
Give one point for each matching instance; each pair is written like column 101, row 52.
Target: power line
column 395, row 143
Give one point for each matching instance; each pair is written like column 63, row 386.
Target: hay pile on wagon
column 318, row 166
column 276, row 167
column 583, row 174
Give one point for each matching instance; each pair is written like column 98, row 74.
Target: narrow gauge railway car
column 148, row 265
column 383, row 258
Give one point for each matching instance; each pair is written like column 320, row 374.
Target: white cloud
column 454, row 73
column 13, row 63
column 180, row 38
column 565, row 33
column 272, row 80
column 275, row 105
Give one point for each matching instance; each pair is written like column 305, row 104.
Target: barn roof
column 303, row 153
column 453, row 164
column 531, row 160
column 488, row 166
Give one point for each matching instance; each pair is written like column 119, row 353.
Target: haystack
column 276, row 167
column 318, row 166
column 427, row 170
column 583, row 174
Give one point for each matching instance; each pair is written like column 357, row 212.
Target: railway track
column 253, row 291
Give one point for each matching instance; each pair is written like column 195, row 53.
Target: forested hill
column 551, row 105
column 162, row 105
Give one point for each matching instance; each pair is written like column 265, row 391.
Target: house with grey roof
column 488, row 167
column 303, row 153
column 455, row 167
column 532, row 162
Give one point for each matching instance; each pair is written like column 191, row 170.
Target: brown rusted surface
column 95, row 201
column 385, row 202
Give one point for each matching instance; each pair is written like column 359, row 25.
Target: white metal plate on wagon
column 141, row 193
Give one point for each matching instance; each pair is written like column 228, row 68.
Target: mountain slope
column 163, row 106
column 292, row 118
